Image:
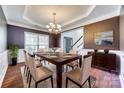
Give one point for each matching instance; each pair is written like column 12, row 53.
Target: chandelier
column 53, row 27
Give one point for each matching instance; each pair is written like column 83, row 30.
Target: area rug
column 47, row 83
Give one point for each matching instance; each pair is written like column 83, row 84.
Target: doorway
column 68, row 42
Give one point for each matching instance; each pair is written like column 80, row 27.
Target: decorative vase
column 14, row 61
column 106, row 51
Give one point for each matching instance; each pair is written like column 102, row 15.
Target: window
column 34, row 41
column 43, row 41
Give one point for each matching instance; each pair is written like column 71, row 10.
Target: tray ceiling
column 38, row 16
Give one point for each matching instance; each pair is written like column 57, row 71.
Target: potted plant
column 14, row 53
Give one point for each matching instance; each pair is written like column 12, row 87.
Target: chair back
column 59, row 50
column 40, row 50
column 73, row 52
column 25, row 56
column 32, row 66
column 86, row 67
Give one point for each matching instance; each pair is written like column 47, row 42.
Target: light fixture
column 53, row 27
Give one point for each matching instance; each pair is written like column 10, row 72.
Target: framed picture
column 104, row 38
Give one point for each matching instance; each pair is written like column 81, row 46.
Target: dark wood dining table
column 59, row 61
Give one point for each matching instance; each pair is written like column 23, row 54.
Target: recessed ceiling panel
column 65, row 14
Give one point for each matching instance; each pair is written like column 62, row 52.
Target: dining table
column 59, row 59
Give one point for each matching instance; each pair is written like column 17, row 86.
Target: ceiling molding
column 29, row 20
column 94, row 20
column 119, row 9
column 76, row 28
column 20, row 24
column 25, row 26
column 80, row 17
column 5, row 13
column 101, row 18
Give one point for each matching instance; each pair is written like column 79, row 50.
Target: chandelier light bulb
column 51, row 24
column 50, row 30
column 47, row 26
column 56, row 30
column 58, row 26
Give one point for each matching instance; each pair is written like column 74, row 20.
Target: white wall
column 3, row 46
column 122, row 45
column 3, row 31
column 3, row 65
column 75, row 34
column 122, row 39
column 2, row 38
column 21, row 56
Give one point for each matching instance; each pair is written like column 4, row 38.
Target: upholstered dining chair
column 80, row 76
column 26, row 68
column 38, row 74
column 72, row 64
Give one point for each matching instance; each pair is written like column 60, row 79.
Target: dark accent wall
column 102, row 26
column 15, row 35
column 3, row 31
column 55, row 40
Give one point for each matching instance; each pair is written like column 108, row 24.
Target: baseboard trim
column 121, row 80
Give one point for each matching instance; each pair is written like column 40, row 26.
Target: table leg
column 80, row 61
column 59, row 76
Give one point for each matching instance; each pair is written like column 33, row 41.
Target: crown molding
column 25, row 26
column 20, row 24
column 29, row 20
column 80, row 17
column 94, row 20
column 5, row 12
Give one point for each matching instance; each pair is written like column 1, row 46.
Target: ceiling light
column 53, row 27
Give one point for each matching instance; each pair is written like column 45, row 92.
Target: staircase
column 78, row 45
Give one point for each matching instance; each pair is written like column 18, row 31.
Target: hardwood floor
column 105, row 79
column 13, row 78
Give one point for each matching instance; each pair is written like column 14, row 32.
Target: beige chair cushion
column 75, row 75
column 43, row 72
